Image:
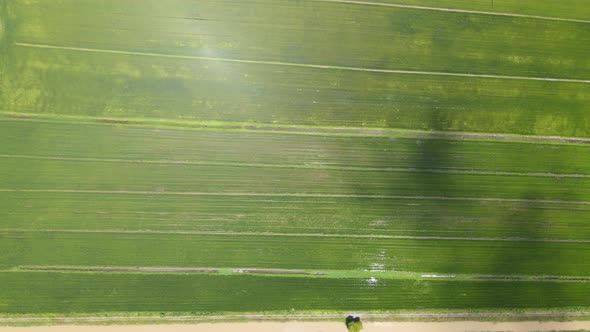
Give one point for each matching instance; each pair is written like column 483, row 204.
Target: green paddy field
column 356, row 156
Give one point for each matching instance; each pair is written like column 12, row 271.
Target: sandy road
column 471, row 326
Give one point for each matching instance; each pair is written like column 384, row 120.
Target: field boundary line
column 313, row 273
column 303, row 65
column 170, row 269
column 304, row 195
column 149, row 269
column 302, row 166
column 456, row 10
column 239, row 127
column 272, row 234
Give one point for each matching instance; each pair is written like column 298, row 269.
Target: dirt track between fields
column 120, row 269
column 159, row 269
column 319, row 130
column 295, row 194
column 320, row 327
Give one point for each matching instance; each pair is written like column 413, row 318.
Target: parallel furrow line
column 455, row 10
column 297, row 130
column 272, row 234
column 304, row 195
column 304, row 166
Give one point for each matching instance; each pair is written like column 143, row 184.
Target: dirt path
column 320, row 327
column 121, row 269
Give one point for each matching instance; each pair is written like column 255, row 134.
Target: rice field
column 314, row 156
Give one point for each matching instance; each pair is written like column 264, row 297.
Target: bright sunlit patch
column 379, row 264
column 377, row 267
column 1, row 29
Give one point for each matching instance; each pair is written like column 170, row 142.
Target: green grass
column 407, row 217
column 123, row 158
column 206, row 134
column 171, row 179
column 96, row 293
column 386, row 151
column 333, row 34
column 255, row 251
column 117, row 85
column 101, row 86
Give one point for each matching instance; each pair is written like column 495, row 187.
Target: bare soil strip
column 272, row 271
column 305, row 195
column 501, row 137
column 120, row 269
column 537, row 278
column 271, row 234
column 299, row 166
column 20, row 116
column 292, row 64
column 454, row 10
column 416, row 133
column 117, row 121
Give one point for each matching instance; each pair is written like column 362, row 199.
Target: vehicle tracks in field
column 299, row 235
column 303, row 195
column 391, row 133
column 302, row 166
column 455, row 10
column 369, row 275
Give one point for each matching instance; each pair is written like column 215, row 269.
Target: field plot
column 214, row 157
column 298, row 63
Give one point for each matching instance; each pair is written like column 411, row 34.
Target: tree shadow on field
column 434, row 154
column 494, row 234
column 528, row 254
column 519, row 224
column 522, row 219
